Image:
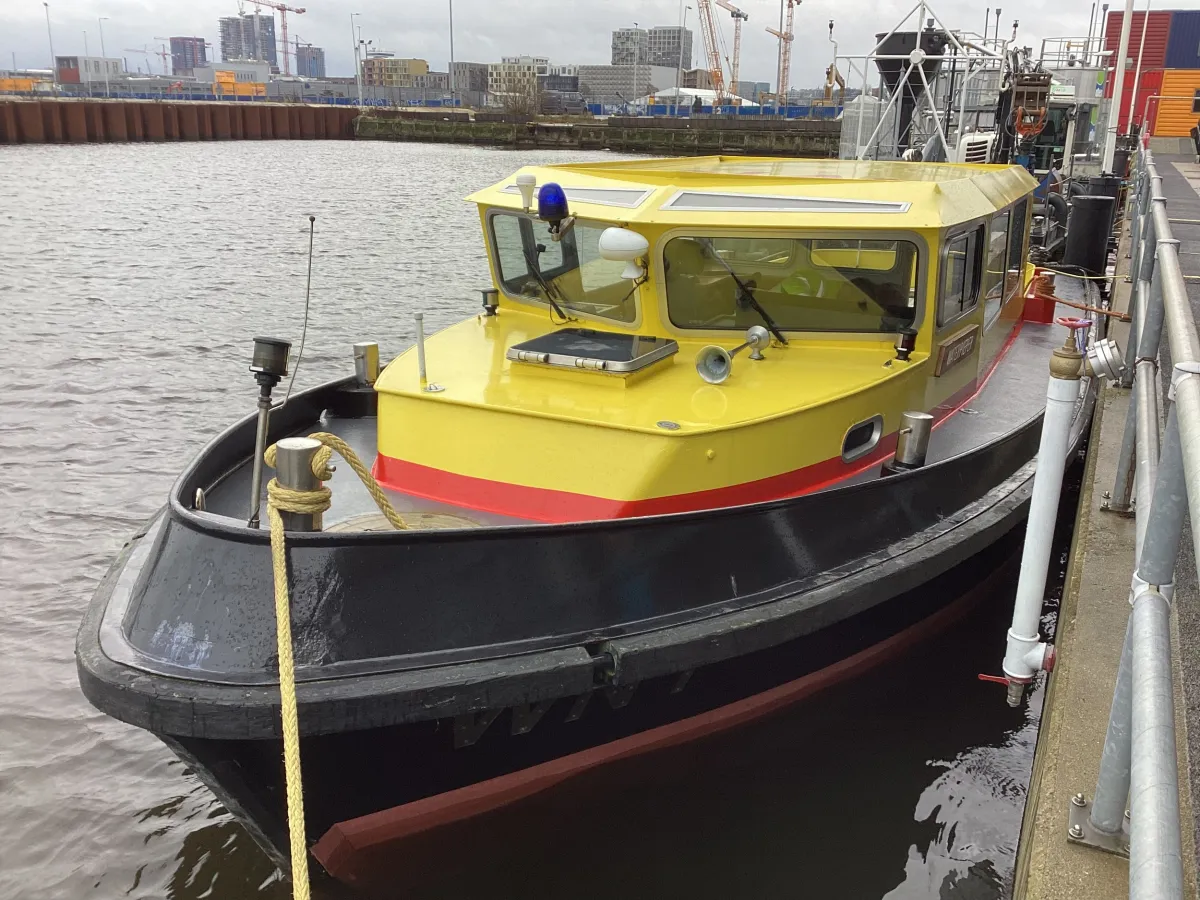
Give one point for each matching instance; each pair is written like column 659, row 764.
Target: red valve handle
column 1073, row 322
column 995, row 679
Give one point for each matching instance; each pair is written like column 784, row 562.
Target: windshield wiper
column 745, row 298
column 531, row 263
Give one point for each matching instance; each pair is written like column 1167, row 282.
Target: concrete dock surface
column 1091, row 628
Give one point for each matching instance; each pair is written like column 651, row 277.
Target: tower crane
column 283, row 11
column 785, row 53
column 738, row 17
column 146, row 53
column 708, row 30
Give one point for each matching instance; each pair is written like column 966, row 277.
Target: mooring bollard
column 1026, row 653
column 912, row 442
column 293, row 467
column 366, row 363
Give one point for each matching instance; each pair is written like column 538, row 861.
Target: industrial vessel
column 620, row 521
column 723, row 431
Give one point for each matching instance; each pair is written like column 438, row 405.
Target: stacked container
column 1179, row 108
column 1152, row 55
column 1168, row 88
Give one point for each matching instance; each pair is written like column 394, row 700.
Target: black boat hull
column 405, row 779
column 547, row 642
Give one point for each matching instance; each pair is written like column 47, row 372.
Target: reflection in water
column 142, row 272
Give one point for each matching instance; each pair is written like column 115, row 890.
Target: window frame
column 808, row 233
column 973, row 230
column 1196, row 102
column 526, row 221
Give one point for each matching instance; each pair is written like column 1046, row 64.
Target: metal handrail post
column 1156, row 566
column 1112, row 783
column 1155, row 843
column 1122, row 492
column 1146, row 472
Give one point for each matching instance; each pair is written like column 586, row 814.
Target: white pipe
column 421, row 347
column 1026, row 653
column 1114, row 114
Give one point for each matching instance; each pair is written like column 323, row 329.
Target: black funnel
column 902, row 43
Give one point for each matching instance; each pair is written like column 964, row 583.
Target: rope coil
column 281, row 499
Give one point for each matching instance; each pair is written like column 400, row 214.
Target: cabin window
column 532, row 267
column 1196, row 102
column 960, row 278
column 800, row 284
column 1016, row 244
column 995, row 267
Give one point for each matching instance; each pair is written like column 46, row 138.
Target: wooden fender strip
column 340, row 847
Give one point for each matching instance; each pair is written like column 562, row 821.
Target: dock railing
column 1138, row 764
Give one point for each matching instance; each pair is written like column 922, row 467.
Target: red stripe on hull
column 344, row 848
column 548, row 505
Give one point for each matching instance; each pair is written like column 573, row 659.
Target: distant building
column 249, row 36
column 433, row 81
column 389, row 71
column 516, row 75
column 87, row 69
column 697, row 78
column 630, row 46
column 310, row 62
column 186, row 54
column 663, row 45
column 469, row 76
column 751, row 90
column 623, row 84
column 667, row 44
column 244, row 71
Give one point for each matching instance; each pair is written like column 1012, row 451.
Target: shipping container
column 1149, row 84
column 1153, row 52
column 1183, row 47
column 1179, row 108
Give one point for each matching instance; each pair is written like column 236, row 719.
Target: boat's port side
column 402, row 764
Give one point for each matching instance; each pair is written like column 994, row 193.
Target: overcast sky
column 567, row 31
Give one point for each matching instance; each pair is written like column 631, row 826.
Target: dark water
column 131, row 280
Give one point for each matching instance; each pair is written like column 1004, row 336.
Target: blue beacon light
column 552, row 205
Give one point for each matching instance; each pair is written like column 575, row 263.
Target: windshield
column 569, row 273
column 797, row 284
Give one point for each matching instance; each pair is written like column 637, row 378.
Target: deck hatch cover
column 716, row 201
column 584, row 348
column 629, row 198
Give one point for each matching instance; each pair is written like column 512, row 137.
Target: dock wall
column 814, row 138
column 76, row 121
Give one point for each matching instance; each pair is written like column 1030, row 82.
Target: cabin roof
column 776, row 193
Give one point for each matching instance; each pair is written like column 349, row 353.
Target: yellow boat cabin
column 683, row 334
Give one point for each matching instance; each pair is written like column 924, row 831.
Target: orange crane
column 735, row 64
column 708, row 30
column 283, row 11
column 785, row 54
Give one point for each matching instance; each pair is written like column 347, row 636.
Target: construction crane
column 735, row 64
column 283, row 11
column 708, row 30
column 785, row 54
column 146, row 53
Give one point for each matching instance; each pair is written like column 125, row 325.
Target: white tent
column 688, row 95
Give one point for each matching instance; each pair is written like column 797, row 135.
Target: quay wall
column 76, row 120
column 79, row 121
column 812, row 138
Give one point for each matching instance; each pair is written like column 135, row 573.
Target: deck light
column 623, row 245
column 269, row 365
column 526, row 185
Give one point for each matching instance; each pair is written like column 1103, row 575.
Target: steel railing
column 1138, row 764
